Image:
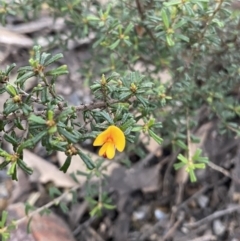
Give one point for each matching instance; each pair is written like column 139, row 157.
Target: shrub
column 195, row 41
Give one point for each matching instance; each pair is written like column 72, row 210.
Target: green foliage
column 5, row 229
column 194, row 41
column 195, row 162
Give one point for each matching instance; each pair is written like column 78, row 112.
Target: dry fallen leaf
column 43, row 227
column 137, row 178
column 47, row 172
column 8, row 37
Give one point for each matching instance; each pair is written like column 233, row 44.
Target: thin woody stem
column 82, row 107
column 90, row 106
column 48, row 205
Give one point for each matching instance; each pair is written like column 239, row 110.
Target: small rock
column 218, row 227
column 203, row 201
column 159, row 214
column 140, row 213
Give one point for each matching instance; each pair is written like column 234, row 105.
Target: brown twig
column 82, row 107
column 172, row 230
column 213, row 216
column 48, row 205
column 199, row 192
column 142, row 16
column 223, row 171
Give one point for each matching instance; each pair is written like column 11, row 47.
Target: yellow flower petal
column 110, row 139
column 103, row 149
column 110, row 150
column 101, row 138
column 107, row 150
column 118, row 138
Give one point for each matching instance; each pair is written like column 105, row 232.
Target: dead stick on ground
column 224, row 172
column 48, row 205
column 213, row 216
column 172, row 230
column 205, row 238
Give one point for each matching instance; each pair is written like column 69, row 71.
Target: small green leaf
column 73, row 176
column 28, row 225
column 200, row 165
column 179, row 165
column 54, row 192
column 129, row 123
column 4, row 153
column 95, row 87
column 53, row 59
column 170, row 41
column 92, row 18
column 74, row 197
column 5, row 236
column 44, row 56
column 182, row 37
column 10, row 108
column 87, row 160
column 36, row 119
column 11, row 139
column 125, row 95
column 96, row 211
column 142, row 100
column 12, row 171
column 38, row 137
column 165, row 18
column 197, row 154
column 180, row 23
column 24, row 77
column 203, row 159
column 106, row 116
column 12, row 91
column 80, row 173
column 18, row 123
column 192, row 175
column 24, row 69
column 2, row 125
column 29, row 143
column 195, row 139
column 90, row 200
column 58, row 71
column 11, row 226
column 181, row 144
column 28, row 208
column 155, row 137
column 64, row 207
column 52, row 130
column 27, row 109
column 68, row 135
column 4, row 219
column 136, row 128
column 46, row 211
column 182, row 158
column 66, row 164
column 109, row 206
column 114, row 45
column 10, row 68
column 24, row 167
column 4, row 164
column 171, row 3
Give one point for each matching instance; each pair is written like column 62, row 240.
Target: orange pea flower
column 111, row 139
